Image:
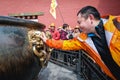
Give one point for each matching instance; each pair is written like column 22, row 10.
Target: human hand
column 43, row 36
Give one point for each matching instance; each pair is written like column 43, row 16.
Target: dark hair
column 77, row 28
column 85, row 11
column 65, row 26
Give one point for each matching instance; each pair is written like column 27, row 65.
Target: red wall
column 66, row 9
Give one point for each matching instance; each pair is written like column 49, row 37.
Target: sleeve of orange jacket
column 73, row 44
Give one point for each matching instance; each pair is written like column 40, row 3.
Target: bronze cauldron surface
column 22, row 53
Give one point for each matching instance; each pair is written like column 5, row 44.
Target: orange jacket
column 85, row 43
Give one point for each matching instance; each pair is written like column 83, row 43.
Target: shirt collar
column 91, row 34
column 97, row 28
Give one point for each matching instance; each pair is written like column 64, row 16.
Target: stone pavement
column 56, row 72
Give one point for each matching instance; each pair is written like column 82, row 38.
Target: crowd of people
column 62, row 33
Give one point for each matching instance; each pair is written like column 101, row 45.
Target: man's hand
column 43, row 36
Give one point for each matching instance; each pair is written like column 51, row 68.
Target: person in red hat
column 55, row 33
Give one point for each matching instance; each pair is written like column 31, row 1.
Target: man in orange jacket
column 100, row 38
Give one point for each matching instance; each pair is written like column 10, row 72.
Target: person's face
column 52, row 28
column 67, row 28
column 76, row 30
column 84, row 24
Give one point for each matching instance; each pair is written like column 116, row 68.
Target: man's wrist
column 45, row 39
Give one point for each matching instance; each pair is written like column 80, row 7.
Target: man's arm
column 73, row 44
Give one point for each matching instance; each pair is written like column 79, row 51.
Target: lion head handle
column 40, row 49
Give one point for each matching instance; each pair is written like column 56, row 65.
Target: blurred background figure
column 54, row 33
column 70, row 31
column 76, row 31
column 64, row 32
